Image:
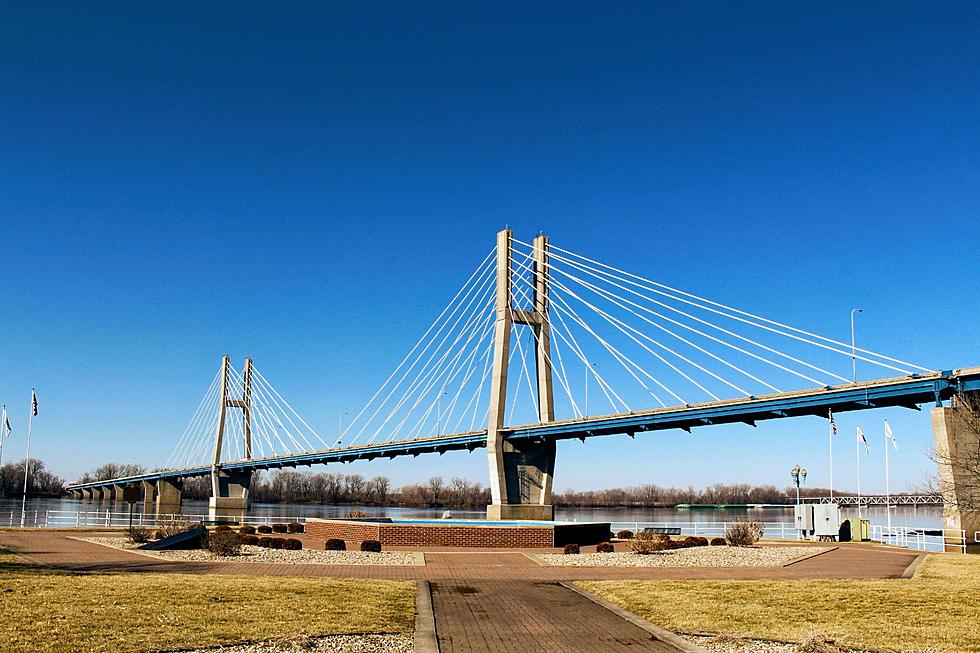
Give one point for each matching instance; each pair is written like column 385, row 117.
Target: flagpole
column 3, row 436
column 27, row 461
column 830, row 435
column 857, row 448
column 888, row 494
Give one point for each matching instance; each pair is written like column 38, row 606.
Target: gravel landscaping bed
column 327, row 644
column 700, row 556
column 726, row 644
column 262, row 555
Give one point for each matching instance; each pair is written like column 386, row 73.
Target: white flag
column 890, row 435
column 863, row 440
column 5, row 424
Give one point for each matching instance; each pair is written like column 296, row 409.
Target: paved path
column 485, row 600
column 537, row 616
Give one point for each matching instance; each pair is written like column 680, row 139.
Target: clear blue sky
column 308, row 184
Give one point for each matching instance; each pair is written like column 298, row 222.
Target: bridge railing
column 921, row 539
column 771, row 530
column 110, row 519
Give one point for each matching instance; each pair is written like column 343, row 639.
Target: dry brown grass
column 51, row 611
column 938, row 609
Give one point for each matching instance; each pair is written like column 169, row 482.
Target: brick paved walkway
column 484, row 600
column 537, row 616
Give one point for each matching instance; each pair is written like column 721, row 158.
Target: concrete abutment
column 956, row 431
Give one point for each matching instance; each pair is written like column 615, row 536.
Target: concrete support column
column 148, row 492
column 117, row 493
column 88, row 494
column 168, row 496
column 231, row 498
column 956, row 431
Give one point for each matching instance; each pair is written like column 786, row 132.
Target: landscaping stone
column 701, row 556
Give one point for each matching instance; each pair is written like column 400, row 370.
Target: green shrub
column 292, row 544
column 277, row 542
column 743, row 533
column 718, row 541
column 222, row 527
column 605, row 547
column 263, row 542
column 280, row 528
column 625, row 534
column 372, row 546
column 334, row 544
column 295, row 527
column 247, row 530
column 251, row 540
column 265, row 529
column 570, row 549
column 224, row 543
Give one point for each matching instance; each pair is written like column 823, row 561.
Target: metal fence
column 922, row 539
column 771, row 530
column 109, row 519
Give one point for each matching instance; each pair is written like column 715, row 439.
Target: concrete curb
column 425, row 639
column 809, row 556
column 656, row 631
column 913, row 566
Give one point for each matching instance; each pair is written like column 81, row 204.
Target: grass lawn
column 44, row 610
column 938, row 609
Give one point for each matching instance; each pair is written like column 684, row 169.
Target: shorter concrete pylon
column 956, row 431
column 169, row 495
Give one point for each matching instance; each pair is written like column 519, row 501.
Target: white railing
column 771, row 530
column 921, row 539
column 109, row 519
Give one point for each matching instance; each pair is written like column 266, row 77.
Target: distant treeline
column 654, row 496
column 284, row 486
column 40, row 483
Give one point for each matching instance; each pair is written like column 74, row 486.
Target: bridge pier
column 148, row 490
column 118, row 492
column 956, row 431
column 230, row 494
column 168, row 496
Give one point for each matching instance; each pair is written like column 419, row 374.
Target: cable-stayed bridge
column 542, row 344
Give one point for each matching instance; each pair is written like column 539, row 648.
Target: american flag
column 5, row 424
column 34, row 402
column 833, row 424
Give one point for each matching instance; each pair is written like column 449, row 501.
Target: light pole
column 854, row 360
column 799, row 476
column 587, row 386
column 340, row 427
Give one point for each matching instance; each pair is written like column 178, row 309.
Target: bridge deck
column 907, row 391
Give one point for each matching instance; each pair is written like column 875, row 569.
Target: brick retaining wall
column 456, row 535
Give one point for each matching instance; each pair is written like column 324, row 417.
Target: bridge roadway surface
column 485, row 600
column 907, row 391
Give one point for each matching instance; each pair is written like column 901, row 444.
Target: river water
column 41, row 511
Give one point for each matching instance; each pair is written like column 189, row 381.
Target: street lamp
column 854, row 360
column 799, row 476
column 587, row 386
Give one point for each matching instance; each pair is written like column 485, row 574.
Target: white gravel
column 727, row 644
column 327, row 644
column 699, row 556
column 256, row 554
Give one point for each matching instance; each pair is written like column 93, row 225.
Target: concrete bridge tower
column 520, row 474
column 229, row 489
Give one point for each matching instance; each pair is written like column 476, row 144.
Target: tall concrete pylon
column 521, row 475
column 230, row 490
